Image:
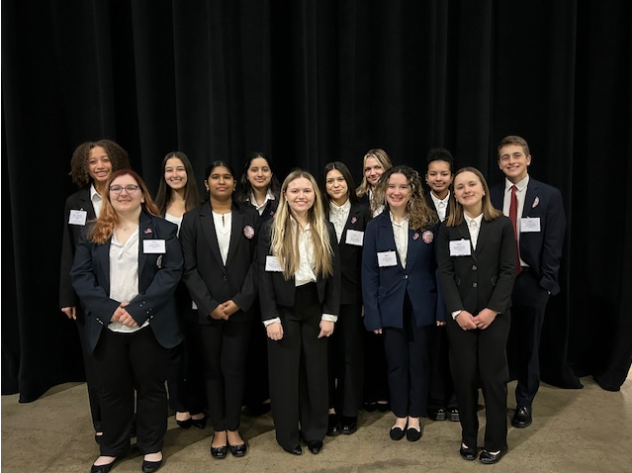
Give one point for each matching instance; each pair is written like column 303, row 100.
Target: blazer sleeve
column 191, row 276
column 553, row 243
column 248, row 293
column 163, row 285
column 370, row 278
column 331, row 304
column 267, row 296
column 447, row 281
column 500, row 299
column 84, row 280
column 67, row 296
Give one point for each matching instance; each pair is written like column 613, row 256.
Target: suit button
column 474, row 284
column 225, row 278
column 405, row 276
column 474, row 268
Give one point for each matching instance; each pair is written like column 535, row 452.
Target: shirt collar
column 470, row 220
column 436, row 200
column 520, row 185
column 340, row 209
column 94, row 194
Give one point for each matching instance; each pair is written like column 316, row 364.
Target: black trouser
column 441, row 394
column 92, row 381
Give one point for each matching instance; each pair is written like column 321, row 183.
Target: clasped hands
column 481, row 321
column 224, row 311
column 121, row 315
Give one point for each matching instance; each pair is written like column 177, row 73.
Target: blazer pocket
column 383, row 292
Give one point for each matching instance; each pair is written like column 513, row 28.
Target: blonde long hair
column 284, row 241
column 383, row 158
column 108, row 218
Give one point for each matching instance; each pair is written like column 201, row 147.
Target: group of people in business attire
column 382, row 297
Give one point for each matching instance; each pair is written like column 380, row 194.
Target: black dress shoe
column 397, row 433
column 383, row 406
column 239, row 450
column 490, row 458
column 150, row 467
column 349, row 425
column 438, row 414
column 522, row 417
column 412, row 434
column 333, row 427
column 314, row 446
column 298, row 450
column 453, row 414
column 102, row 468
column 199, row 423
column 468, row 453
column 185, row 424
column 219, row 452
column 370, row 406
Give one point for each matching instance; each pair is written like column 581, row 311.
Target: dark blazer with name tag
column 209, row 281
column 158, row 276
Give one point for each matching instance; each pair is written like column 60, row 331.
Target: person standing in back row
column 537, row 212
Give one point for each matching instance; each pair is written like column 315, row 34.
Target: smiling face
column 336, row 187
column 439, row 177
column 469, row 192
column 99, row 165
column 373, row 170
column 513, row 162
column 123, row 197
column 220, row 183
column 175, row 173
column 259, row 174
column 300, row 195
column 398, row 192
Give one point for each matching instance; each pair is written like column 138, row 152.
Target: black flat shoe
column 453, row 414
column 383, row 406
column 238, row 450
column 150, row 467
column 315, row 446
column 349, row 425
column 412, row 434
column 369, row 406
column 298, row 450
column 333, row 427
column 397, row 433
column 185, row 424
column 102, row 468
column 219, row 452
column 467, row 453
column 488, row 458
column 522, row 417
column 199, row 423
column 437, row 414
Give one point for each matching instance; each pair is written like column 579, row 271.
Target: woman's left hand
column 326, row 328
column 485, row 318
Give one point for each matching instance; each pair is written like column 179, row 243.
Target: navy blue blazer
column 384, row 288
column 542, row 250
column 485, row 278
column 158, row 276
column 210, row 282
column 275, row 290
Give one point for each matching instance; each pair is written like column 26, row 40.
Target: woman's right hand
column 275, row 331
column 466, row 320
column 71, row 312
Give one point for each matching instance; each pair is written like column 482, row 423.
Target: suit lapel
column 464, row 231
column 413, row 247
column 103, row 255
column 208, row 227
column 482, row 235
column 236, row 229
column 530, row 197
column 145, row 232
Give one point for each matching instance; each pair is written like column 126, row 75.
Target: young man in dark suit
column 537, row 212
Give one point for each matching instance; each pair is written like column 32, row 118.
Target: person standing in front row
column 441, row 395
column 537, row 212
column 126, row 270
column 219, row 243
column 477, row 264
column 346, row 351
column 299, row 290
column 399, row 289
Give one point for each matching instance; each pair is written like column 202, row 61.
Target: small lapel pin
column 535, row 202
column 147, row 231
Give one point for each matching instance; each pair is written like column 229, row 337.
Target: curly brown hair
column 79, row 162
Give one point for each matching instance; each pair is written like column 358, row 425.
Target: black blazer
column 80, row 200
column 210, row 283
column 351, row 255
column 158, row 276
column 485, row 278
column 275, row 291
column 542, row 250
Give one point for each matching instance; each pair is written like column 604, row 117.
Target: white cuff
column 455, row 314
column 329, row 318
column 276, row 320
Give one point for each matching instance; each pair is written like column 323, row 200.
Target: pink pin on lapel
column 535, row 202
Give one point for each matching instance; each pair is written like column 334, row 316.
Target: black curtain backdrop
column 311, row 81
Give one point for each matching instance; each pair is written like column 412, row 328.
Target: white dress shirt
column 400, row 233
column 474, row 225
column 222, row 229
column 96, row 199
column 174, row 219
column 441, row 205
column 261, row 208
column 338, row 215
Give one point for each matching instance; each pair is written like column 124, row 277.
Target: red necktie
column 513, row 215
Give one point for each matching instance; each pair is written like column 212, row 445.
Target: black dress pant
column 375, row 370
column 346, row 361
column 225, row 345
column 257, row 383
column 128, row 362
column 479, row 358
column 92, row 381
column 529, row 301
column 298, row 372
column 441, row 394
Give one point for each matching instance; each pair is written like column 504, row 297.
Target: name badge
column 354, row 237
column 77, row 217
column 460, row 248
column 386, row 259
column 530, row 225
column 155, row 247
column 272, row 264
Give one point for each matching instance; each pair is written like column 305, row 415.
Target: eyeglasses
column 118, row 189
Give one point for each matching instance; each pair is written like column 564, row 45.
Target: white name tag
column 154, row 247
column 530, row 225
column 272, row 264
column 460, row 248
column 77, row 217
column 386, row 259
column 354, row 237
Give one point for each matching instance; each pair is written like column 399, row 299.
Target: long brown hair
column 164, row 196
column 456, row 209
column 108, row 218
